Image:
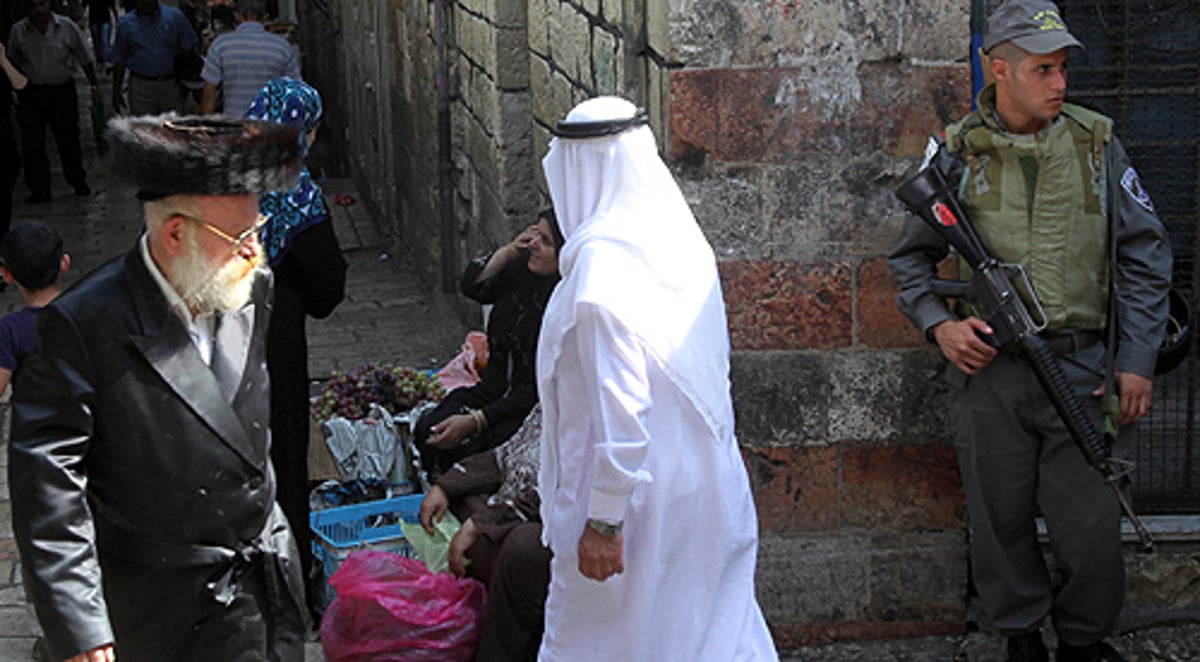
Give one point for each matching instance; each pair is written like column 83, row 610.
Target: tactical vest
column 1040, row 201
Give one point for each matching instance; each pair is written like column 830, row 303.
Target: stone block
column 542, row 100
column 780, row 397
column 476, row 41
column 752, row 114
column 779, row 305
column 563, row 93
column 480, row 153
column 499, row 12
column 813, row 213
column 657, row 100
column 622, row 13
column 658, row 28
column 795, row 487
column 903, row 105
column 919, row 578
column 821, row 588
column 512, row 66
column 880, row 322
column 912, row 488
column 826, row 35
column 538, row 31
column 515, row 154
column 571, row 49
column 1169, row 579
column 725, row 201
column 812, row 578
column 862, row 384
column 935, row 30
column 921, row 405
column 781, row 115
column 606, row 59
column 480, row 99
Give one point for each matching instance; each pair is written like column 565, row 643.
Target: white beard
column 208, row 288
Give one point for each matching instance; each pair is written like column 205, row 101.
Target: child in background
column 33, row 259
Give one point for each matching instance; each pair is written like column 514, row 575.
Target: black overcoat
column 143, row 501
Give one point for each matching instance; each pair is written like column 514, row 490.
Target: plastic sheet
column 391, row 608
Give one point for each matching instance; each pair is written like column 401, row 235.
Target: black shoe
column 37, row 198
column 1027, row 647
column 1097, row 652
column 82, row 190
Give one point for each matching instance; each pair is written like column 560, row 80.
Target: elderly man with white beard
column 646, row 504
column 142, row 493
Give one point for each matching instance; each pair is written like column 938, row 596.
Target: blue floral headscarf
column 294, row 102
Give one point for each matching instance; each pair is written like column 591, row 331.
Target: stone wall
column 789, row 125
column 376, row 66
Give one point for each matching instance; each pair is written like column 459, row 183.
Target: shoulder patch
column 1133, row 186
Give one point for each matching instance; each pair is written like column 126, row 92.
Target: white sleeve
column 618, row 399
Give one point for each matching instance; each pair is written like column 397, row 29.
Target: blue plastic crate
column 373, row 521
column 372, row 525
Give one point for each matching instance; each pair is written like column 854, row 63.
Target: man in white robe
column 646, row 504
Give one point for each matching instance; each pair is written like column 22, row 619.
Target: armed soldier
column 1047, row 183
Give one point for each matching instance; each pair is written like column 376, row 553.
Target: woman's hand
column 450, row 432
column 433, row 507
column 521, row 242
column 460, row 543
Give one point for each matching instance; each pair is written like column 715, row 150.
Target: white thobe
column 623, row 443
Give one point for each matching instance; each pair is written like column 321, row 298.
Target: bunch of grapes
column 397, row 389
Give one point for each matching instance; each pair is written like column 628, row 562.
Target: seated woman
column 494, row 493
column 517, row 279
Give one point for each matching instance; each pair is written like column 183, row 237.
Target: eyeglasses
column 239, row 242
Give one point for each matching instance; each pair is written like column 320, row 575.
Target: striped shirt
column 243, row 61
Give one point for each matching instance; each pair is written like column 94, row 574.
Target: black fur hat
column 180, row 155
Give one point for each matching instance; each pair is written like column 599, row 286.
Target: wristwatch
column 606, row 529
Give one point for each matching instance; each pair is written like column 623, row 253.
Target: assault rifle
column 998, row 287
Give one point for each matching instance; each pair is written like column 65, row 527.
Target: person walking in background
column 143, row 498
column 646, row 503
column 1049, row 187
column 33, row 259
column 240, row 62
column 49, row 48
column 10, row 157
column 101, row 16
column 310, row 281
column 149, row 39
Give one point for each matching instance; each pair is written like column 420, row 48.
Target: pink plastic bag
column 391, row 608
column 464, row 369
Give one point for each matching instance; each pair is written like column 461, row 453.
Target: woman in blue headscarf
column 310, row 280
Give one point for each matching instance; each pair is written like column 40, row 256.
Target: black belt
column 153, row 78
column 263, row 551
column 1063, row 341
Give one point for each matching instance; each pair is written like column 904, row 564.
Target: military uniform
column 1047, row 201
